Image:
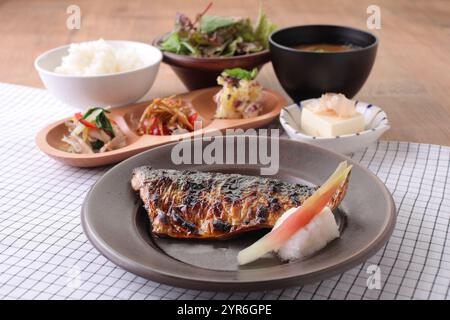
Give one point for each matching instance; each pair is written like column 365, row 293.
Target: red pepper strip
column 150, row 125
column 192, row 118
column 88, row 124
column 149, row 122
column 154, row 130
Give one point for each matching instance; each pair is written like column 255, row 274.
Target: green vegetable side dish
column 92, row 132
column 101, row 121
column 240, row 74
column 216, row 36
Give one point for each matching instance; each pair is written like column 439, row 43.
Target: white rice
column 311, row 238
column 98, row 58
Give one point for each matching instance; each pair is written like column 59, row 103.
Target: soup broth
column 325, row 47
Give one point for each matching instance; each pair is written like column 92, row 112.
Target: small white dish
column 376, row 123
column 115, row 89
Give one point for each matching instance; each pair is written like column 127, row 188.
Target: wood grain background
column 410, row 79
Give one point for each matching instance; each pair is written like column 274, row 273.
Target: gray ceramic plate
column 115, row 223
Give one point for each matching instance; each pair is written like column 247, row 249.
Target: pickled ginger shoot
column 307, row 218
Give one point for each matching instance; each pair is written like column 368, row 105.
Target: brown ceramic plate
column 114, row 221
column 127, row 117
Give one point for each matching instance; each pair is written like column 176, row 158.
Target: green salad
column 240, row 74
column 215, row 36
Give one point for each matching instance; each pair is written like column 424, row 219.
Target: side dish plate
column 114, row 221
column 127, row 117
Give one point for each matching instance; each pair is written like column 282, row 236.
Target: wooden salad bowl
column 127, row 117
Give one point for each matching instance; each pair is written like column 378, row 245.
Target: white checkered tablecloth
column 44, row 253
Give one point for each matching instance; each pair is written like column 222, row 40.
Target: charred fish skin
column 213, row 205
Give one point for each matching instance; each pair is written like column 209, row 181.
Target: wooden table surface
column 410, row 78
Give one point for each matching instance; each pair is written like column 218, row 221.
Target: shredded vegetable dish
column 166, row 116
column 93, row 132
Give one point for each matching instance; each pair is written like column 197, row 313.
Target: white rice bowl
column 98, row 58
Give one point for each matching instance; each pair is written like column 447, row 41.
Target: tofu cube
column 320, row 125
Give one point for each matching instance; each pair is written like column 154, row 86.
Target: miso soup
column 325, row 47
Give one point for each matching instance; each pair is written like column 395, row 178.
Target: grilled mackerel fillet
column 211, row 205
